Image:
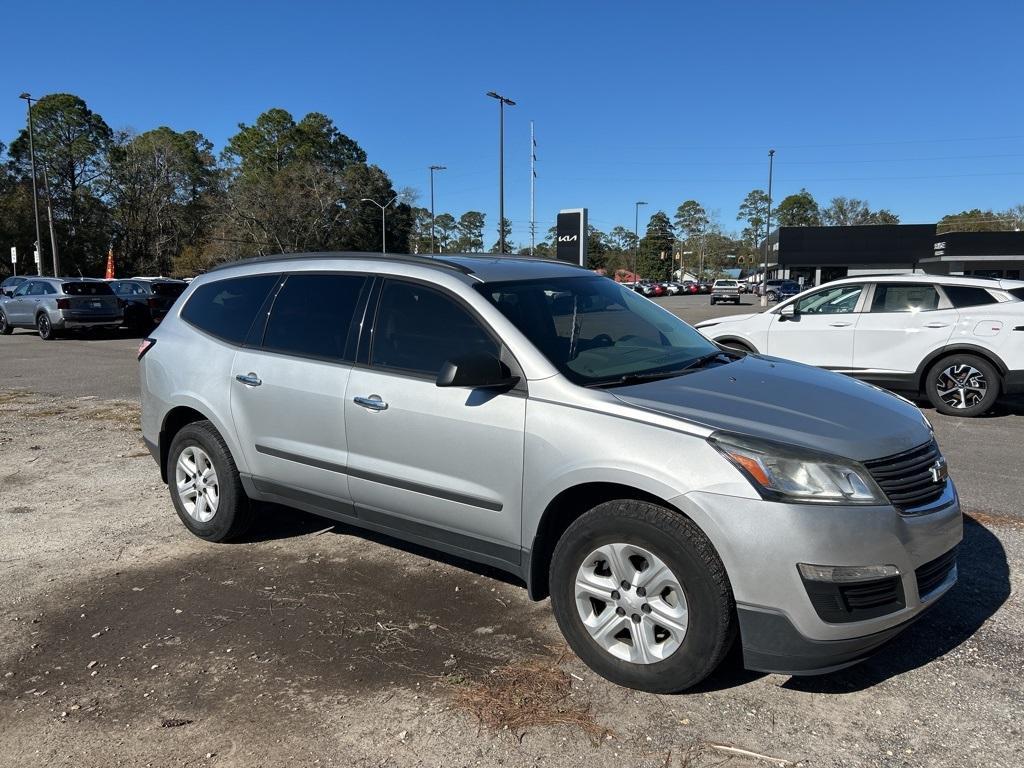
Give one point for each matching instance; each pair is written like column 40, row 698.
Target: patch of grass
column 525, row 695
column 121, row 414
column 11, row 396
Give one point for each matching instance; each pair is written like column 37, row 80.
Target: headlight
column 786, row 473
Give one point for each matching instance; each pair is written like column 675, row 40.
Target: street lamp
column 502, row 101
column 35, row 196
column 636, row 235
column 383, row 229
column 768, row 230
column 432, row 169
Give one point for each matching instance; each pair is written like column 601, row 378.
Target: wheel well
column 935, row 357
column 565, row 508
column 725, row 341
column 173, row 423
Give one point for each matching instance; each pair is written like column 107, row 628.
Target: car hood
column 725, row 319
column 790, row 403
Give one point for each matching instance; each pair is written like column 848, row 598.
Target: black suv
column 147, row 299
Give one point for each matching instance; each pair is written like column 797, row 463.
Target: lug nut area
column 636, row 618
column 625, row 585
column 615, row 594
column 620, row 611
column 645, row 608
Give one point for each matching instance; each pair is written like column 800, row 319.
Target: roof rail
column 405, row 258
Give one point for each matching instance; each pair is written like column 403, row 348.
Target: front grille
column 906, row 478
column 858, row 601
column 934, row 572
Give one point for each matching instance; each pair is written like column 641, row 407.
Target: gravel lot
column 124, row 641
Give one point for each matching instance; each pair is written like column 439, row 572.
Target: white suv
column 958, row 340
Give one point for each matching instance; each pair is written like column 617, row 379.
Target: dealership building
column 820, row 254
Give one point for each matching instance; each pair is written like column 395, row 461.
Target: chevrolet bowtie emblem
column 939, row 470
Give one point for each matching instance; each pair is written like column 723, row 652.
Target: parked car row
column 957, row 340
column 59, row 305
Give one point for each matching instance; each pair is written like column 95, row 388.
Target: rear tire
column 712, row 301
column 6, row 329
column 205, row 485
column 664, row 641
column 773, row 296
column 962, row 385
column 45, row 327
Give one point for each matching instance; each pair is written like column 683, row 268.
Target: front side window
column 23, row 289
column 904, row 297
column 227, row 308
column 837, row 300
column 418, row 329
column 596, row 332
column 312, row 315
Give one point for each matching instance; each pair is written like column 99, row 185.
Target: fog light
column 842, row 574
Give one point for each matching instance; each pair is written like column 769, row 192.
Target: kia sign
column 572, row 236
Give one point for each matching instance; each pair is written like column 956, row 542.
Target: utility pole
column 768, row 230
column 502, row 101
column 432, row 169
column 32, row 163
column 533, row 196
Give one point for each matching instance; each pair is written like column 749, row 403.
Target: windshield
column 87, row 289
column 595, row 331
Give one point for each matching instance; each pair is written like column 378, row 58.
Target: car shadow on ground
column 276, row 521
column 96, row 335
column 983, row 586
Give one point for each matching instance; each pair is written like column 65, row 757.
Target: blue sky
column 914, row 106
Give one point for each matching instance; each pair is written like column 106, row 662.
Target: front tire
column 205, row 485
column 962, row 385
column 642, row 597
column 6, row 329
column 712, row 301
column 773, row 296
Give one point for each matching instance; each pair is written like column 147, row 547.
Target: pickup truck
column 725, row 290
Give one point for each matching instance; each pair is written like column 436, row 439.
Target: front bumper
column 762, row 542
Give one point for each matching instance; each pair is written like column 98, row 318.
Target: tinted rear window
column 904, row 297
column 968, row 296
column 174, row 290
column 1017, row 293
column 87, row 289
column 312, row 315
column 226, row 308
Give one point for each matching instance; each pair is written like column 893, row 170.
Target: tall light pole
column 432, row 169
column 32, row 162
column 768, row 230
column 636, row 235
column 383, row 228
column 502, row 101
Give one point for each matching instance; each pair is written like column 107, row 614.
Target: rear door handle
column 936, row 325
column 249, row 379
column 841, row 324
column 373, row 403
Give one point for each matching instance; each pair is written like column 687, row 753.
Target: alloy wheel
column 196, row 481
column 961, row 386
column 631, row 603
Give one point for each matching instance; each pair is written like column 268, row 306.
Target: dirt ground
column 124, row 641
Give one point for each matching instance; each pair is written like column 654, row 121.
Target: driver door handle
column 249, row 379
column 841, row 324
column 373, row 403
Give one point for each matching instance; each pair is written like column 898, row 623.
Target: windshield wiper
column 636, row 378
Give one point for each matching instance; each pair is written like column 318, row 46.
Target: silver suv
column 671, row 496
column 53, row 305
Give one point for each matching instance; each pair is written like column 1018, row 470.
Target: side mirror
column 787, row 312
column 476, row 371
